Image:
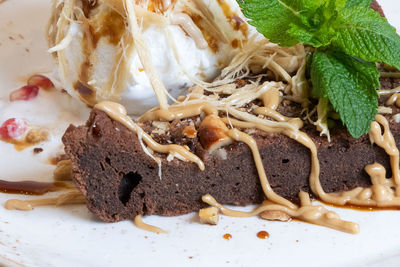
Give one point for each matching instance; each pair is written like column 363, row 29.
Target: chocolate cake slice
column 120, row 181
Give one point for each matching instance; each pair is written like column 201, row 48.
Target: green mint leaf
column 339, row 4
column 273, row 17
column 289, row 22
column 350, row 85
column 363, row 33
column 304, row 35
column 317, row 37
column 361, row 3
column 314, row 5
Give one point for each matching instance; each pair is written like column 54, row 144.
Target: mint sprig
column 331, row 72
column 348, row 36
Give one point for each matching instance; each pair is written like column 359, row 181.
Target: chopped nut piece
column 37, row 150
column 213, row 133
column 286, row 102
column 209, row 215
column 170, row 157
column 190, row 131
column 275, row 215
column 396, row 117
column 181, row 98
column 56, row 159
column 240, row 83
column 250, row 131
column 221, row 153
column 35, row 136
column 196, row 92
column 161, row 127
column 63, row 171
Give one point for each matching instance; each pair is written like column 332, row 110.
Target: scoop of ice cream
column 186, row 40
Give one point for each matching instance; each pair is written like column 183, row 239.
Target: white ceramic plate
column 71, row 236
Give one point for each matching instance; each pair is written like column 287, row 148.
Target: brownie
column 120, row 181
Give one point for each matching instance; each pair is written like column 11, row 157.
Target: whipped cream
column 98, row 61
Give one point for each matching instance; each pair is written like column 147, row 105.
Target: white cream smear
column 23, row 53
column 187, row 41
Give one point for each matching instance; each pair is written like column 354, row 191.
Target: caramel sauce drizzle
column 307, row 212
column 187, row 24
column 179, row 112
column 271, row 100
column 380, row 194
column 147, row 227
column 394, row 99
column 118, row 112
column 248, row 140
column 40, row 188
column 73, row 197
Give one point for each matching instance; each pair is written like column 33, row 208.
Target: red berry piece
column 27, row 92
column 41, row 82
column 13, row 128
